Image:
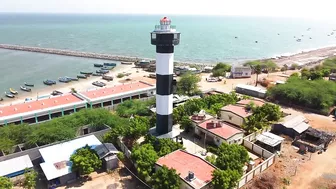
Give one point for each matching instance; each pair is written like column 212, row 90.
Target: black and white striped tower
column 165, row 37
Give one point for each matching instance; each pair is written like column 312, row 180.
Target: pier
column 86, row 54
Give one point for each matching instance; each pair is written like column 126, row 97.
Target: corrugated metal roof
column 292, row 121
column 14, row 165
column 269, row 139
column 105, row 149
column 300, row 128
column 251, row 88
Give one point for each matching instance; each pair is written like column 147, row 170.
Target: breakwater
column 86, row 54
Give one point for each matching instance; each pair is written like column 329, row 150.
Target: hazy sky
column 288, row 8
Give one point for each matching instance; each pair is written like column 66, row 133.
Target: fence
column 124, row 148
column 270, row 158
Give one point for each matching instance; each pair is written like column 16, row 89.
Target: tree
column 255, row 122
column 139, row 126
column 30, row 179
column 145, row 157
column 165, row 178
column 271, row 112
column 85, row 160
column 5, row 183
column 133, row 107
column 231, row 156
column 257, row 70
column 188, row 84
column 220, row 69
column 294, row 66
column 162, row 146
column 186, row 123
column 225, row 179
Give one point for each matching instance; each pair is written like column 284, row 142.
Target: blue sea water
column 207, row 39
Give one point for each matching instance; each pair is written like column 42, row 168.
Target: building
column 195, row 172
column 164, row 37
column 269, row 141
column 56, row 164
column 251, row 91
column 292, row 125
column 15, row 167
column 41, row 110
column 211, row 91
column 235, row 114
column 241, row 71
column 217, row 132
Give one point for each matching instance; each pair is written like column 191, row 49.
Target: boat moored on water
column 73, row 78
column 102, row 71
column 9, row 95
column 86, row 73
column 55, row 93
column 107, row 68
column 97, row 74
column 14, row 92
column 107, row 78
column 81, row 76
column 110, row 64
column 49, row 82
column 127, row 63
column 98, row 84
column 28, row 84
column 64, row 79
column 25, row 88
column 98, row 65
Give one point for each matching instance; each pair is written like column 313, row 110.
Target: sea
column 204, row 39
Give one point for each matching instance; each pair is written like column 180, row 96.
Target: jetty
column 64, row 52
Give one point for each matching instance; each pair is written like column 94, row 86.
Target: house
column 314, row 140
column 200, row 117
column 292, row 125
column 195, row 172
column 241, row 71
column 211, row 91
column 217, row 132
column 56, row 164
column 251, row 90
column 269, row 141
column 15, row 167
column 234, row 114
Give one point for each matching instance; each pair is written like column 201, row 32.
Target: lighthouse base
column 176, row 131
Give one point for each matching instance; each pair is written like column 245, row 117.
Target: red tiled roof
column 126, row 87
column 183, row 162
column 239, row 110
column 38, row 105
column 256, row 102
column 223, row 129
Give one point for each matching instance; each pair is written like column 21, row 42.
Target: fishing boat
column 73, row 78
column 97, row 74
column 64, row 79
column 127, row 63
column 28, row 84
column 98, row 84
column 298, row 40
column 110, row 64
column 107, row 68
column 98, row 65
column 107, row 78
column 102, row 71
column 9, row 95
column 14, row 92
column 55, row 93
column 25, row 88
column 81, row 76
column 49, row 82
column 85, row 73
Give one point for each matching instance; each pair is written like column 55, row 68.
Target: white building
column 240, row 71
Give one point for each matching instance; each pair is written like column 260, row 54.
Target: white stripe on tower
column 165, row 63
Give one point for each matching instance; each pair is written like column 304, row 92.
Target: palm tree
column 257, row 70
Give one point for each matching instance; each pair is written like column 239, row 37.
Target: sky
column 275, row 8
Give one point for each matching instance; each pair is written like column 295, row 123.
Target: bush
column 85, row 160
column 120, row 75
column 121, row 156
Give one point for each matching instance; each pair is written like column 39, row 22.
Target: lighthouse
column 164, row 37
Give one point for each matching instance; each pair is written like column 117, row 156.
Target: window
column 153, row 35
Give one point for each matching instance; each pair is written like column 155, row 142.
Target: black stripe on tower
column 165, row 43
column 164, row 123
column 164, row 84
column 164, row 49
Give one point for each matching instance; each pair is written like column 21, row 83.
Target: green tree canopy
column 162, row 146
column 165, row 178
column 85, row 160
column 220, row 69
column 30, row 179
column 231, row 156
column 139, row 126
column 271, row 112
column 225, row 179
column 188, row 84
column 134, row 107
column 145, row 157
column 5, row 183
